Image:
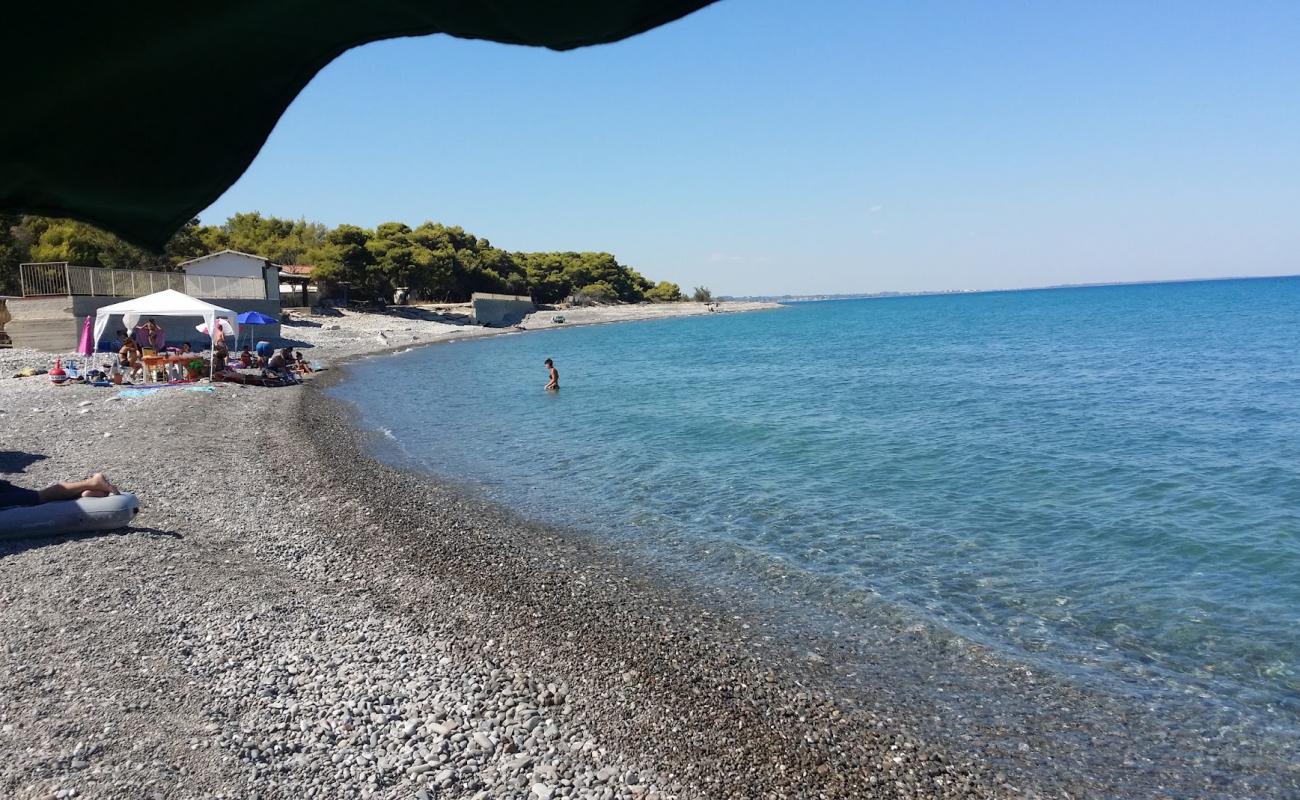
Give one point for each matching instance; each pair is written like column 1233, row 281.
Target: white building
column 234, row 264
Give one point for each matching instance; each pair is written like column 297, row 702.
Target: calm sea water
column 1101, row 479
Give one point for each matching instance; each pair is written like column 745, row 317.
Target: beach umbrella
column 86, row 346
column 223, row 325
column 161, row 151
column 251, row 318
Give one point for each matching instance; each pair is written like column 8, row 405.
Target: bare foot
column 98, row 486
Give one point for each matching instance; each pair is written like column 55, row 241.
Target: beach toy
column 69, row 516
column 58, row 376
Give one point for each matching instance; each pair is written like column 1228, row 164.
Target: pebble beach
column 289, row 618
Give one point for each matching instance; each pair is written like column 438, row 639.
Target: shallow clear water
column 1104, row 480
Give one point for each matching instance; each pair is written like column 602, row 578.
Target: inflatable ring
column 69, row 516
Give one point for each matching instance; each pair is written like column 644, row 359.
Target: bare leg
column 94, row 486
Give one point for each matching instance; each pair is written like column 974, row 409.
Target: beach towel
column 145, row 391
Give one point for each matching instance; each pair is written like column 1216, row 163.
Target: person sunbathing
column 95, row 486
column 245, row 358
column 276, row 361
column 278, row 364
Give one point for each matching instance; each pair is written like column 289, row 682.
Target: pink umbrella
column 86, row 346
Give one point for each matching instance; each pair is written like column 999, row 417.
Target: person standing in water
column 554, row 385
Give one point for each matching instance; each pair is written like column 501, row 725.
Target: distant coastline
column 817, row 298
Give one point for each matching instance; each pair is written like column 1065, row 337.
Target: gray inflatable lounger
column 69, row 516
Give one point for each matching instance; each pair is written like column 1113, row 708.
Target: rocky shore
column 289, row 618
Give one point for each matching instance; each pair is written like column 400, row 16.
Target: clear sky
column 772, row 146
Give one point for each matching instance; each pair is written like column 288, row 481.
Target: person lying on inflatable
column 95, row 486
column 93, row 504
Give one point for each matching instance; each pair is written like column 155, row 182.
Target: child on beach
column 129, row 358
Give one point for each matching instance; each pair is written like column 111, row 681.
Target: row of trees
column 434, row 261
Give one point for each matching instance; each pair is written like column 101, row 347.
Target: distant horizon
column 885, row 295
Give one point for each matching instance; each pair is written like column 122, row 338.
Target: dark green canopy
column 135, row 116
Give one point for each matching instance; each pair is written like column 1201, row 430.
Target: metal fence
column 62, row 278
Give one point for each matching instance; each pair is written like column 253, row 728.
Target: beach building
column 58, row 296
column 234, row 264
column 499, row 310
column 298, row 287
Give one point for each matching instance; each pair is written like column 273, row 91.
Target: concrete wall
column 501, row 309
column 54, row 324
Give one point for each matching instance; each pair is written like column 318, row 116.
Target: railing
column 62, row 278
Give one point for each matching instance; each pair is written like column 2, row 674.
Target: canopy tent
column 167, row 303
column 160, row 151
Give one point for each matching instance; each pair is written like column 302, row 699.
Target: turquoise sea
column 1100, row 482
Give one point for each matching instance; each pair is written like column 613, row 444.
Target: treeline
column 433, row 261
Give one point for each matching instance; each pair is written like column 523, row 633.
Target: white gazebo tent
column 167, row 303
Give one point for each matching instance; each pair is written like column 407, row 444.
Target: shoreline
column 1011, row 728
column 677, row 667
column 344, row 628
column 408, row 327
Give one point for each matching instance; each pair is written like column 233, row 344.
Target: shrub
column 598, row 292
column 664, row 292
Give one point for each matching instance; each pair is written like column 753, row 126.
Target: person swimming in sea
column 554, row 385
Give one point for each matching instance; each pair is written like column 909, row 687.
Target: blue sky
column 831, row 146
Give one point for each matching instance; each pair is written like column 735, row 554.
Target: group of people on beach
column 280, row 365
column 149, row 338
column 284, row 360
